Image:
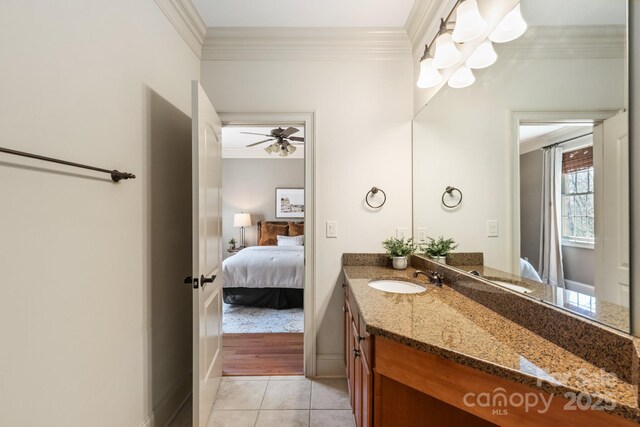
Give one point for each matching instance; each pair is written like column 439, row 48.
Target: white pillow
column 291, row 240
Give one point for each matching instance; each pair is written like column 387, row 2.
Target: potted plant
column 232, row 243
column 398, row 250
column 437, row 249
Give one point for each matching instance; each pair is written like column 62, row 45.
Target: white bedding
column 265, row 267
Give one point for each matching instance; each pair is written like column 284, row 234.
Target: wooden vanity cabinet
column 358, row 351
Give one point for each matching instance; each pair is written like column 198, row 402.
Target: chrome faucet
column 434, row 277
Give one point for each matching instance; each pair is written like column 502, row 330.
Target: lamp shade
column 242, row 220
column 510, row 28
column 469, row 23
column 463, row 77
column 429, row 74
column 483, row 56
column 447, row 54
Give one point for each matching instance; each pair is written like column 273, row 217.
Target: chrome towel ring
column 372, row 192
column 449, row 190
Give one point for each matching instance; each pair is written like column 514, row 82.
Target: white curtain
column 551, row 268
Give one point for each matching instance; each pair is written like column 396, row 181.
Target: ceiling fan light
column 483, row 56
column 429, row 75
column 469, row 23
column 291, row 149
column 510, row 28
column 447, row 54
column 463, row 77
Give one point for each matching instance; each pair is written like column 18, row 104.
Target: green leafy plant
column 399, row 247
column 232, row 242
column 440, row 247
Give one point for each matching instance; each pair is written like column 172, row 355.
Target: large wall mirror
column 538, row 147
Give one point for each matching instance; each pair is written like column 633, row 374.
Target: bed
column 267, row 275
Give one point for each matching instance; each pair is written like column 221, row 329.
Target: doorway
column 267, row 236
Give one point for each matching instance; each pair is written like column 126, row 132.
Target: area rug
column 238, row 319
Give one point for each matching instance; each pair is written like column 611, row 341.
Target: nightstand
column 233, row 251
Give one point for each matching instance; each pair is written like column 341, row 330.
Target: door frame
column 230, row 118
column 531, row 117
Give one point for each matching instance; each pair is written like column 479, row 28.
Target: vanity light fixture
column 483, row 56
column 510, row 28
column 447, row 54
column 463, row 77
column 469, row 23
column 429, row 74
column 468, row 26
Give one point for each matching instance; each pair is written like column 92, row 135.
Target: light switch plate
column 401, row 232
column 332, row 229
column 422, row 235
column 492, row 228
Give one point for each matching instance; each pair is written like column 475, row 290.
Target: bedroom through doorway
column 263, row 227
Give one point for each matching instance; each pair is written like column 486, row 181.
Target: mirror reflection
column 538, row 146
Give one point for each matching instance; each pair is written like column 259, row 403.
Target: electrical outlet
column 401, row 232
column 332, row 229
column 492, row 228
column 422, row 235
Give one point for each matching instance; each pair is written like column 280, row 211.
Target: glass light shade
column 429, row 74
column 469, row 23
column 483, row 56
column 463, row 77
column 273, row 148
column 510, row 28
column 447, row 54
column 242, row 220
column 291, row 149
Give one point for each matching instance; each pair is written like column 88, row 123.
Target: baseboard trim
column 330, row 365
column 583, row 288
column 168, row 406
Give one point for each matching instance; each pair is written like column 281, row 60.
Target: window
column 578, row 223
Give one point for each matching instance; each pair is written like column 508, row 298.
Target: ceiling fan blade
column 289, row 131
column 296, row 138
column 253, row 133
column 260, row 142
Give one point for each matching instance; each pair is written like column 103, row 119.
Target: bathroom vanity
column 442, row 358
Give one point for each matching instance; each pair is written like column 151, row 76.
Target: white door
column 207, row 245
column 611, row 173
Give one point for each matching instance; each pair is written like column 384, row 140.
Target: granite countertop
column 444, row 322
column 601, row 311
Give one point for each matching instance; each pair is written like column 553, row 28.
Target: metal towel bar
column 115, row 174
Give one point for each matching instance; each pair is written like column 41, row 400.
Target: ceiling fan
column 283, row 144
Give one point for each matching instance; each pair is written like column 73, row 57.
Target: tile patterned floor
column 285, row 401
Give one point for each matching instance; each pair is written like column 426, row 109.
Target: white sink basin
column 513, row 287
column 397, row 286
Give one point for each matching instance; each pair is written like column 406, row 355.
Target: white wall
column 463, row 138
column 249, row 185
column 92, row 334
column 363, row 133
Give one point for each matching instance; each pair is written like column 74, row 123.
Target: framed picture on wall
column 289, row 202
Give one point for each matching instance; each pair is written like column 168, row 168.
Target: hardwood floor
column 262, row 354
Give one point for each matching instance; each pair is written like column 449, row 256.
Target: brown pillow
column 270, row 233
column 296, row 228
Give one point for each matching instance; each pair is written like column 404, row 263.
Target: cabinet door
column 357, row 380
column 367, row 393
column 348, row 351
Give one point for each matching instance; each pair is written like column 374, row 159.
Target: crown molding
column 424, row 20
column 187, row 21
column 313, row 44
column 567, row 42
